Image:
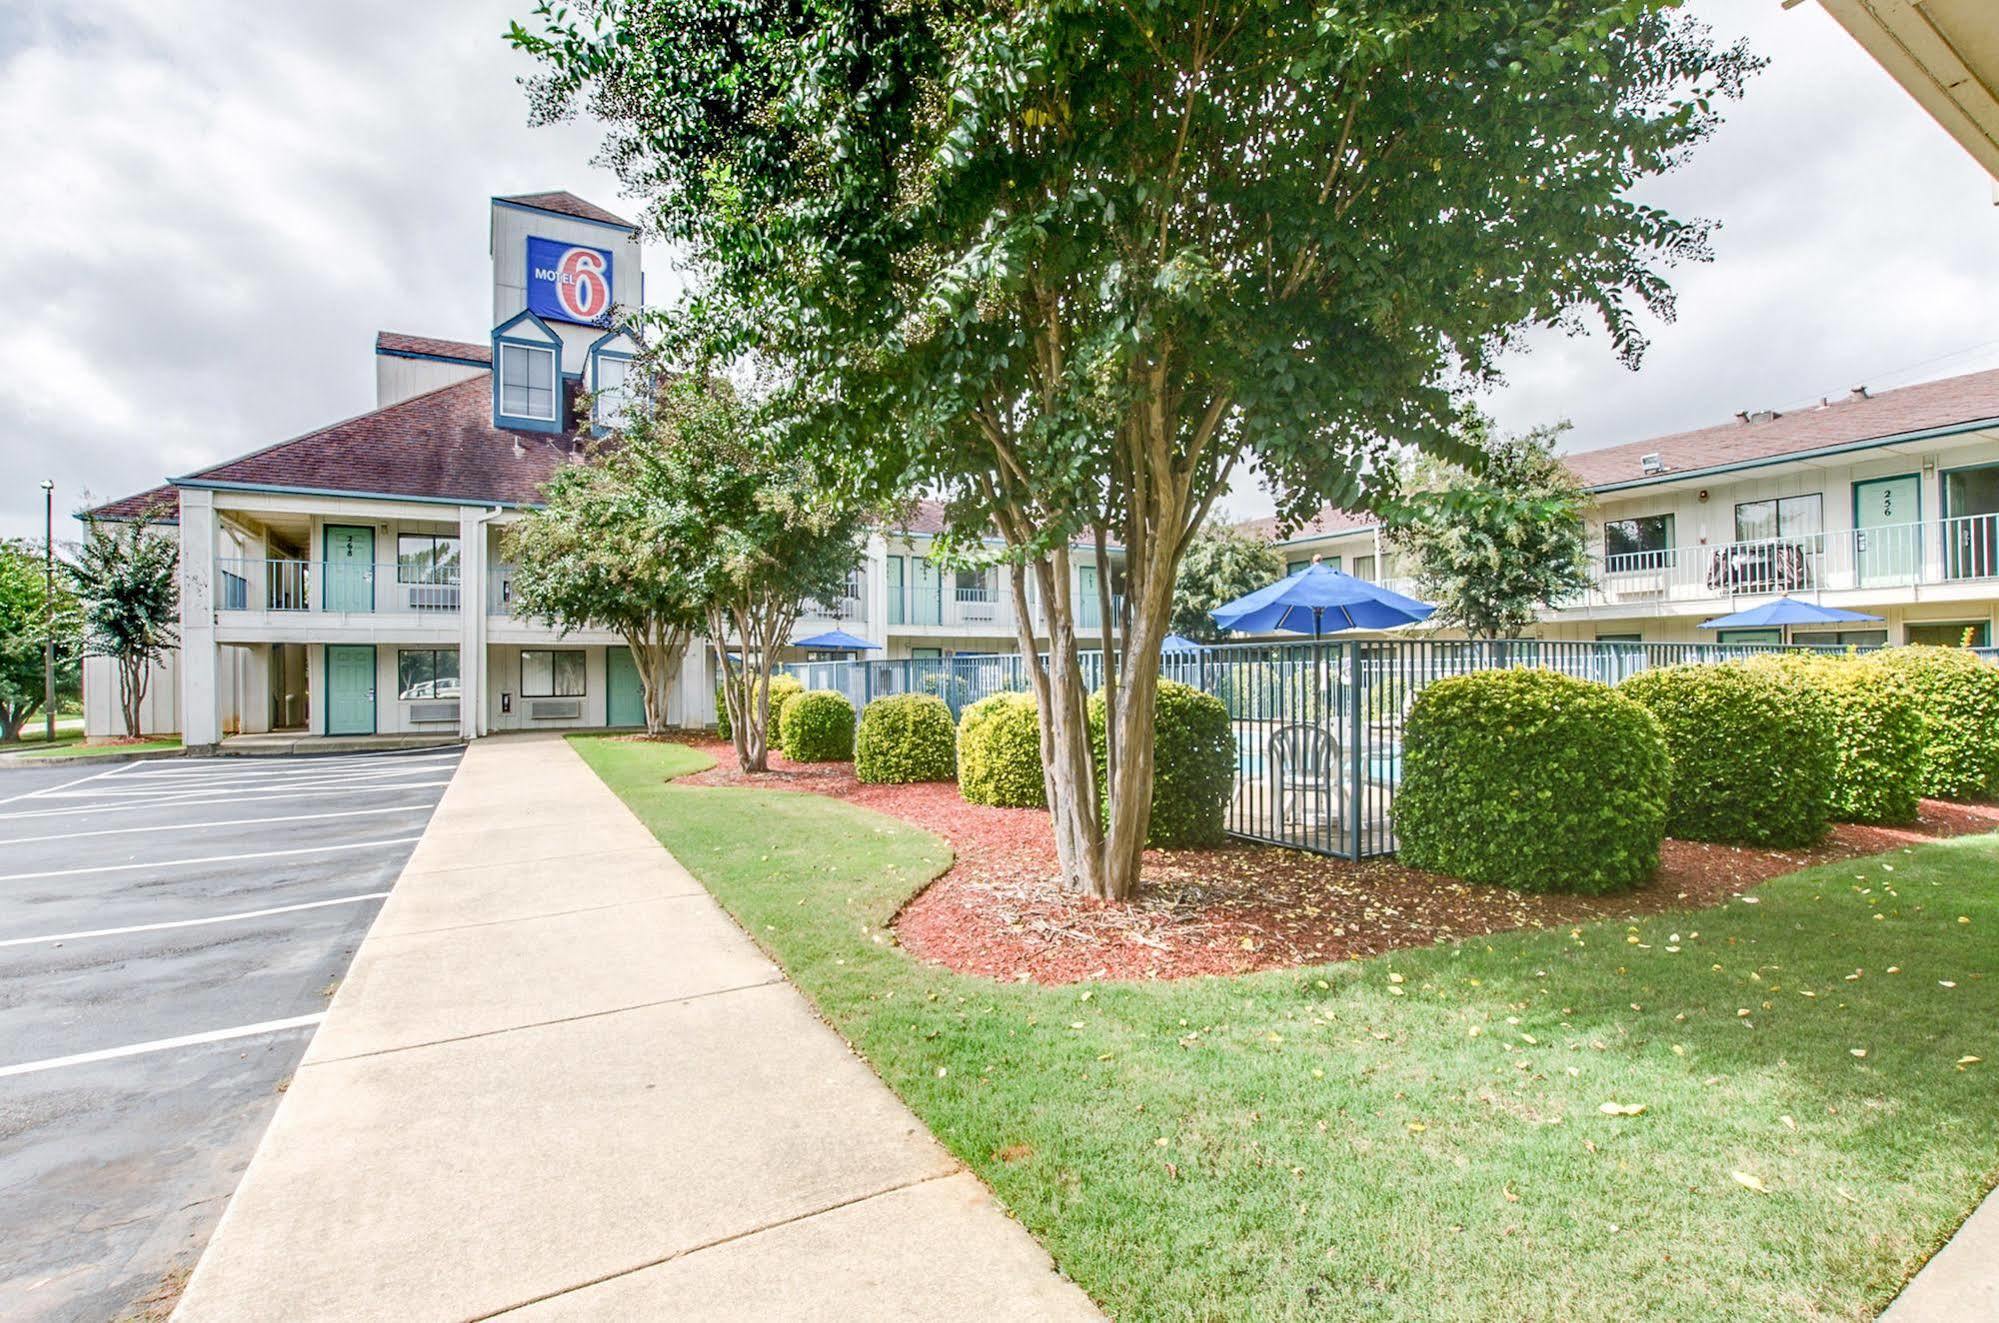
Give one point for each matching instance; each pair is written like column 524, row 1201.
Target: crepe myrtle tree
column 127, row 578
column 753, row 532
column 29, row 615
column 1495, row 542
column 1222, row 563
column 586, row 559
column 1070, row 264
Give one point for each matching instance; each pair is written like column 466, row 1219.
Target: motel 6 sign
column 569, row 282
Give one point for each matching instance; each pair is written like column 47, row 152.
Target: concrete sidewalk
column 1961, row 1282
column 559, row 1081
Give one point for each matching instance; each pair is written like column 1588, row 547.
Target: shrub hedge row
column 1877, row 733
column 904, row 738
column 783, row 688
column 1752, row 750
column 1534, row 780
column 817, row 727
column 999, row 753
column 1194, row 765
column 1957, row 697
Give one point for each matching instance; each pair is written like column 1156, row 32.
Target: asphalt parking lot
column 170, row 933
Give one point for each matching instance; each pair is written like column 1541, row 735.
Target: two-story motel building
column 1883, row 503
column 351, row 581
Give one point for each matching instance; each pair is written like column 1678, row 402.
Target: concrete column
column 254, row 712
column 471, row 623
column 200, row 702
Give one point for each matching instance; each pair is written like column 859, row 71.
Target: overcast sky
column 215, row 206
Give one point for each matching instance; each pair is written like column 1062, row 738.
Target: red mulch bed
column 999, row 913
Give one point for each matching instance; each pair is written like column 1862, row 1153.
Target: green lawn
column 1420, row 1135
column 48, row 753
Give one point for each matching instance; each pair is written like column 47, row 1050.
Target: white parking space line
column 192, row 923
column 278, row 776
column 49, row 790
column 171, row 793
column 181, row 801
column 220, row 822
column 208, row 859
column 260, row 767
column 163, row 1044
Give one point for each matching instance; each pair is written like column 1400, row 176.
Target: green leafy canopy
column 1494, row 542
column 1221, row 564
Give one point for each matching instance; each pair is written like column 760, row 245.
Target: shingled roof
column 441, row 445
column 1854, row 421
column 424, row 346
column 568, row 204
column 160, row 504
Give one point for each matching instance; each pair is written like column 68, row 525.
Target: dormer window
column 527, row 382
column 527, row 375
column 612, row 377
column 612, row 373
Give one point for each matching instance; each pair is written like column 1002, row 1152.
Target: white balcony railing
column 983, row 608
column 1897, row 555
column 276, row 585
column 848, row 608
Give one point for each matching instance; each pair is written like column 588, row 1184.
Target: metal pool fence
column 1317, row 725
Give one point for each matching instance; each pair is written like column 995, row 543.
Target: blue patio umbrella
column 1785, row 611
column 1316, row 600
column 837, row 640
column 1782, row 614
column 1175, row 643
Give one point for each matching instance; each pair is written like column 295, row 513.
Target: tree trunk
column 131, row 692
column 12, row 719
column 760, row 625
column 1063, row 710
column 657, row 652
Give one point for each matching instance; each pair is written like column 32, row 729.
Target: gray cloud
column 215, row 206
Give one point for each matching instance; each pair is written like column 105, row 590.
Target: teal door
column 350, row 569
column 622, row 690
column 350, row 689
column 927, row 606
column 1887, row 538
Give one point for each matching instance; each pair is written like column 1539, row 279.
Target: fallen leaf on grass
column 1622, row 1109
column 1748, row 1182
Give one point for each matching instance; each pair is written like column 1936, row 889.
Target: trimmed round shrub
column 1753, row 752
column 1193, row 765
column 904, row 738
column 818, row 727
column 783, row 688
column 999, row 752
column 1533, row 780
column 1957, row 698
column 1877, row 733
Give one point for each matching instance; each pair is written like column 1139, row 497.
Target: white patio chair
column 1307, row 773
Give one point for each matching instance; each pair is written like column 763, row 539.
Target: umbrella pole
column 1319, row 663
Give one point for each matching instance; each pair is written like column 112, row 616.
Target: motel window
column 527, row 382
column 551, row 673
column 1293, row 566
column 612, row 374
column 1841, row 638
column 1793, row 517
column 426, row 673
column 1363, row 568
column 1955, row 634
column 1645, row 542
column 426, row 558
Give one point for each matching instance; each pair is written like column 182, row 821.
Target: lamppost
column 49, row 611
